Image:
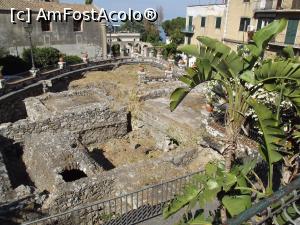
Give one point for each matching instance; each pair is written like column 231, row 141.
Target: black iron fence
column 127, row 209
column 280, row 208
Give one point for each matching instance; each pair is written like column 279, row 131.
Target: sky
column 172, row 8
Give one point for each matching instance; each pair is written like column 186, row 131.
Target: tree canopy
column 149, row 31
column 88, row 2
column 173, row 29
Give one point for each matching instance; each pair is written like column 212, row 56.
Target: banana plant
column 241, row 74
column 234, row 70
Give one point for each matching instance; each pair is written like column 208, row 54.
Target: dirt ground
column 120, row 83
column 130, row 149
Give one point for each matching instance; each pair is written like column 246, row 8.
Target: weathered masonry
column 70, row 37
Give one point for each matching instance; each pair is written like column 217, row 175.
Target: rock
column 23, row 191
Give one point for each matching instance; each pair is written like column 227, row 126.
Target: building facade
column 268, row 10
column 70, row 37
column 241, row 18
column 204, row 20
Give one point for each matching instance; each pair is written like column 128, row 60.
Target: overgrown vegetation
column 149, row 31
column 173, row 29
column 43, row 57
column 13, row 65
column 88, row 2
column 72, row 59
column 227, row 189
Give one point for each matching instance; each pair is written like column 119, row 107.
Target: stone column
column 103, row 39
column 122, row 47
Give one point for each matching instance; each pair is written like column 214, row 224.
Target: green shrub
column 72, row 59
column 170, row 49
column 13, row 65
column 42, row 56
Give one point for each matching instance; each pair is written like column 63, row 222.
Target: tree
column 241, row 74
column 173, row 29
column 88, row 2
column 151, row 32
column 170, row 49
column 42, row 56
column 148, row 30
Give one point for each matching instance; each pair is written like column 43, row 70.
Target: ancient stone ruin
column 86, row 144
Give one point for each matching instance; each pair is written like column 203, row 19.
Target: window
column 190, row 22
column 259, row 24
column 245, row 22
column 246, row 0
column 218, row 22
column 46, row 25
column 77, row 25
column 263, row 22
column 203, row 20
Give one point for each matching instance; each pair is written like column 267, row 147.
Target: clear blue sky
column 172, row 8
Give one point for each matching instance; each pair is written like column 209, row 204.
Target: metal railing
column 188, row 29
column 282, row 205
column 82, row 67
column 128, row 209
column 261, row 5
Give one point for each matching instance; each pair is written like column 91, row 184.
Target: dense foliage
column 149, row 31
column 13, row 65
column 72, row 59
column 88, row 2
column 173, row 29
column 227, row 189
column 169, row 50
column 42, row 56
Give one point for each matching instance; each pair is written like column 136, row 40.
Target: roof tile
column 48, row 6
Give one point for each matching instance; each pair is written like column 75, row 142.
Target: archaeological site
column 98, row 134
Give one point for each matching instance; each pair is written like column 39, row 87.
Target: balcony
column 188, row 30
column 277, row 6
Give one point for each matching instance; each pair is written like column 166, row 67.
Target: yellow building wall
column 209, row 30
column 236, row 10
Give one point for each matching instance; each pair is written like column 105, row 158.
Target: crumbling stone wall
column 92, row 124
column 52, row 154
column 103, row 125
column 12, row 107
column 5, row 184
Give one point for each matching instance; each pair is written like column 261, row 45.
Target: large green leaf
column 273, row 135
column 194, row 77
column 229, row 180
column 224, row 60
column 190, row 193
column 177, row 96
column 200, row 220
column 284, row 70
column 262, row 37
column 236, row 204
column 192, row 50
column 288, row 52
column 211, row 169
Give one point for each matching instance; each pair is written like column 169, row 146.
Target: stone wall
column 91, row 39
column 12, row 107
column 5, row 184
column 92, row 125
